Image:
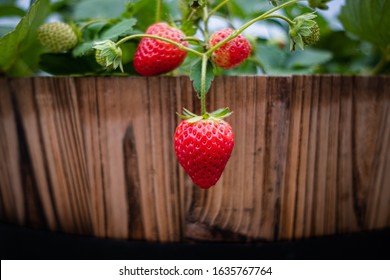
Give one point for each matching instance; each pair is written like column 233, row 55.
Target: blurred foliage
column 363, row 46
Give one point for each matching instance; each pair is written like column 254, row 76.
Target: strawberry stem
column 180, row 46
column 203, row 85
column 220, row 5
column 286, row 19
column 205, row 19
column 158, row 10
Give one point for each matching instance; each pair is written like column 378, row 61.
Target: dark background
column 23, row 243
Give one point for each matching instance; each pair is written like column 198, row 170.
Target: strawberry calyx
column 217, row 115
column 303, row 31
column 108, row 54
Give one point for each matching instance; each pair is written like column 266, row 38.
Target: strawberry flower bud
column 304, row 31
column 108, row 54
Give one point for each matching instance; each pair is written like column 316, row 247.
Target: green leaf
column 66, row 64
column 18, row 43
column 245, row 68
column 320, row 4
column 83, row 49
column 95, row 9
column 5, row 30
column 122, row 28
column 196, row 76
column 307, row 58
column 277, row 61
column 247, row 9
column 7, row 10
column 369, row 20
column 271, row 56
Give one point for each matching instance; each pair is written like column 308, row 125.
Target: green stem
column 180, row 46
column 158, row 10
column 203, row 85
column 289, row 21
column 193, row 12
column 207, row 15
column 193, row 39
column 220, row 5
column 249, row 23
column 205, row 20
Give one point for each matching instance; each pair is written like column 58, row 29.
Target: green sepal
column 110, row 52
column 217, row 115
column 302, row 27
column 221, row 113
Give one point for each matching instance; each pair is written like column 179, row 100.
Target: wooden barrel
column 94, row 156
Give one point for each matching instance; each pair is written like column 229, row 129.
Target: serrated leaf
column 122, row 28
column 196, row 76
column 18, row 43
column 369, row 20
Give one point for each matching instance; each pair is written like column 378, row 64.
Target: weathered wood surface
column 95, row 156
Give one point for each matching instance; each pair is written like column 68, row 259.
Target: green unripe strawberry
column 99, row 58
column 314, row 36
column 57, row 36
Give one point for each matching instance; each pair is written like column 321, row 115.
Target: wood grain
column 94, row 156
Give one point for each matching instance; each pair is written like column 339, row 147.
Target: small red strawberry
column 154, row 57
column 203, row 146
column 232, row 53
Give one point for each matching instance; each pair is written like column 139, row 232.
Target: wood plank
column 378, row 196
column 302, row 187
column 332, row 164
column 95, row 156
column 290, row 189
column 11, row 189
column 91, row 135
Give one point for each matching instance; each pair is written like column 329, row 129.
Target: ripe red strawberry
column 203, row 148
column 154, row 57
column 232, row 53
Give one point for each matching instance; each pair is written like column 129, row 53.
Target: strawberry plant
column 158, row 37
column 203, row 143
